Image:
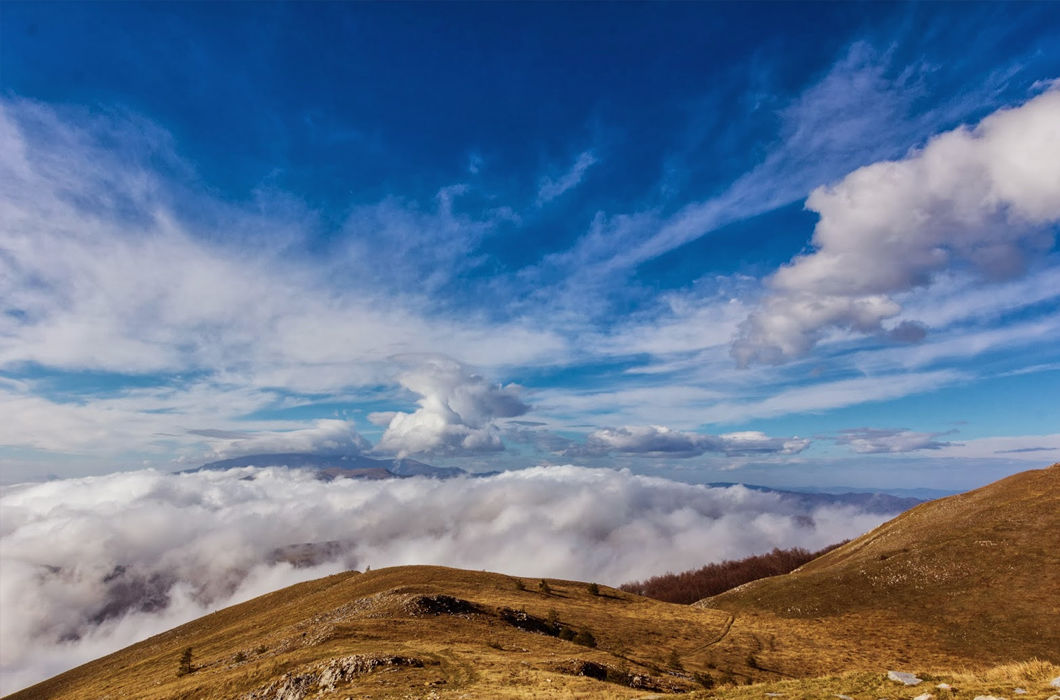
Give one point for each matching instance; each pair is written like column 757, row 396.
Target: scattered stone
column 526, row 622
column 589, row 669
column 1020, row 691
column 924, row 696
column 1055, row 683
column 440, row 605
column 1053, row 697
column 944, row 686
column 903, row 677
column 988, row 697
column 844, row 697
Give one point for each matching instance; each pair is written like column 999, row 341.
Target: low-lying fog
column 92, row 565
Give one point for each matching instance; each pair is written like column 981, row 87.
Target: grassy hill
column 944, row 591
column 974, row 576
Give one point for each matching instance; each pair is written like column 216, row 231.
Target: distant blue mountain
column 330, row 467
column 871, row 501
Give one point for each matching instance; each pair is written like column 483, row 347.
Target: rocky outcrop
column 322, row 678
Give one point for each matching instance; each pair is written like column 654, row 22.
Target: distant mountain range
column 329, row 467
column 872, row 502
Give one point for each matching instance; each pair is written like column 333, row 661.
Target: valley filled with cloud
column 93, row 564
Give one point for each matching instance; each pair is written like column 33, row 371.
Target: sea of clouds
column 90, row 565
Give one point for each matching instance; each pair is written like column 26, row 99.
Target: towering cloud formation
column 90, row 565
column 982, row 198
column 456, row 413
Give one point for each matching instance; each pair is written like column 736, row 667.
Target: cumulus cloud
column 982, row 198
column 327, row 436
column 144, row 551
column 660, row 441
column 456, row 413
column 879, row 440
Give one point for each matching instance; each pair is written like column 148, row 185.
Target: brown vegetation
column 976, row 575
column 689, row 586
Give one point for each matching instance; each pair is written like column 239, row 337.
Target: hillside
column 976, row 575
column 956, row 584
column 427, row 628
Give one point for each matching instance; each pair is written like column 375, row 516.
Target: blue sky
column 776, row 243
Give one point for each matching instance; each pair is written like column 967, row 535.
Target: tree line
column 689, row 586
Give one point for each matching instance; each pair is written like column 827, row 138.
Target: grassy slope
column 973, row 576
column 475, row 655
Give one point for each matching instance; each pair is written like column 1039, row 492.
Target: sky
column 786, row 244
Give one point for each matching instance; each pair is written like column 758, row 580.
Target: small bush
column 184, row 667
column 704, row 679
column 675, row 661
column 519, row 585
column 594, row 589
column 585, row 638
column 544, row 587
column 553, row 620
column 566, row 634
column 240, row 657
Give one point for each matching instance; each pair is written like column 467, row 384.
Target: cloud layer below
column 91, row 565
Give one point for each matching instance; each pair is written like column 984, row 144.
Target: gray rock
column 903, row 677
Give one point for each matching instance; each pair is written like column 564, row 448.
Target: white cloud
column 661, row 441
column 456, row 414
column 327, row 436
column 886, row 440
column 834, row 394
column 198, row 542
column 551, row 188
column 1037, row 449
column 981, row 197
column 101, row 272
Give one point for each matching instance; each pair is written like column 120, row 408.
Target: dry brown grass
column 1000, row 681
column 474, row 655
column 974, row 576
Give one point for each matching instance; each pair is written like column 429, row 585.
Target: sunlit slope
column 412, row 641
column 975, row 575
